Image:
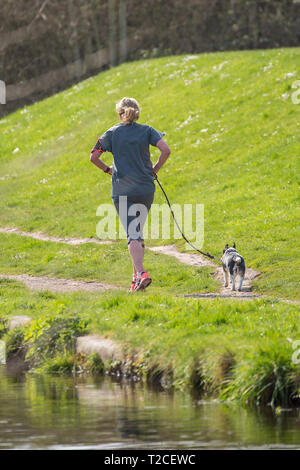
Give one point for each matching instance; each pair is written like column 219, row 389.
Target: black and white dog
column 233, row 264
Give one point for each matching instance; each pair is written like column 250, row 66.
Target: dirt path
column 199, row 260
column 71, row 285
column 58, row 285
column 50, row 238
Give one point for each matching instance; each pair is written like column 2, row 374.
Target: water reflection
column 48, row 412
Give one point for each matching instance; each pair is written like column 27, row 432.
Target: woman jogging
column 132, row 177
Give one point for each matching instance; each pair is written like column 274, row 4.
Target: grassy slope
column 243, row 169
column 246, row 176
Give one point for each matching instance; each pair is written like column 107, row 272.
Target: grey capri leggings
column 133, row 211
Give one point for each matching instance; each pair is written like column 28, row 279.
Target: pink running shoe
column 143, row 281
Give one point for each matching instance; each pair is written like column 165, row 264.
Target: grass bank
column 239, row 350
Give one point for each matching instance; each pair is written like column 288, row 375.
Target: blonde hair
column 129, row 109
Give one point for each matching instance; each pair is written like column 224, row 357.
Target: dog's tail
column 237, row 259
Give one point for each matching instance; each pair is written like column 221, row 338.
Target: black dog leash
column 182, row 234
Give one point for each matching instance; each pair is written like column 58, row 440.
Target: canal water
column 44, row 412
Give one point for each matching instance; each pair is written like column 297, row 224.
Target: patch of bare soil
column 185, row 258
column 50, row 238
column 58, row 285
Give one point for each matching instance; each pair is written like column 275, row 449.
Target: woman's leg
column 137, row 247
column 136, row 250
column 133, row 221
column 140, row 207
column 143, row 279
column 137, row 256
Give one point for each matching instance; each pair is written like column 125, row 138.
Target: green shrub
column 61, row 364
column 15, row 341
column 94, row 364
column 266, row 376
column 3, row 326
column 54, row 335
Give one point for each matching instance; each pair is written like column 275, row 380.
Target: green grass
column 243, row 168
column 234, row 136
column 241, row 350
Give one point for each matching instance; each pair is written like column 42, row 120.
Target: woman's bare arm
column 95, row 158
column 165, row 152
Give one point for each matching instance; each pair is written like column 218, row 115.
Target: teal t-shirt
column 132, row 167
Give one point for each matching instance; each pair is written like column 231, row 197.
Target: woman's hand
column 108, row 170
